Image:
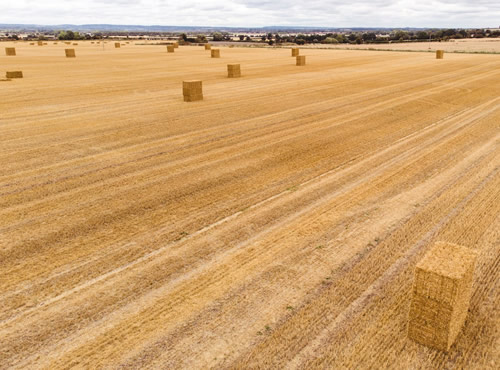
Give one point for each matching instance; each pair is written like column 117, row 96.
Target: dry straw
column 32, row 43
column 39, row 43
column 170, row 48
column 208, row 46
column 441, row 292
column 14, row 74
column 295, row 52
column 67, row 42
column 70, row 53
column 233, row 70
column 439, row 54
column 215, row 53
column 192, row 90
column 10, row 51
column 301, row 60
column 75, row 43
column 117, row 45
column 176, row 45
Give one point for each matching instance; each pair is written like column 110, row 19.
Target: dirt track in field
column 276, row 224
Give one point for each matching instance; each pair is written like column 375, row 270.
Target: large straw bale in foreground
column 295, row 52
column 441, row 294
column 192, row 90
column 14, row 74
column 439, row 54
column 215, row 53
column 233, row 70
column 10, row 51
column 301, row 60
column 70, row 53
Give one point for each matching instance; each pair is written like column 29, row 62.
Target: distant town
column 269, row 35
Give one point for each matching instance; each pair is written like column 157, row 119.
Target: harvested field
column 486, row 45
column 275, row 224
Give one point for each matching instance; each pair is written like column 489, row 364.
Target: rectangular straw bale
column 295, row 52
column 208, row 46
column 67, row 42
column 176, row 45
column 32, row 43
column 215, row 53
column 233, row 70
column 441, row 292
column 45, row 43
column 117, row 45
column 14, row 74
column 192, row 90
column 170, row 48
column 75, row 43
column 301, row 60
column 39, row 43
column 439, row 54
column 10, row 51
column 70, row 53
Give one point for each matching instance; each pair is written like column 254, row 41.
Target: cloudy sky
column 247, row 13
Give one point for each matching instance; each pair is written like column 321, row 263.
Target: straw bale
column 70, row 53
column 32, row 43
column 75, row 43
column 208, row 46
column 39, row 43
column 441, row 294
column 215, row 53
column 233, row 70
column 301, row 60
column 439, row 54
column 67, row 42
column 10, row 51
column 14, row 74
column 117, row 45
column 192, row 90
column 170, row 48
column 176, row 45
column 295, row 52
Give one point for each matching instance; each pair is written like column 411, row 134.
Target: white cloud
column 341, row 13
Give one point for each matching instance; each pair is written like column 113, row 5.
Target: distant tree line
column 363, row 37
column 70, row 35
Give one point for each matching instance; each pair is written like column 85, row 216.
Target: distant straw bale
column 70, row 53
column 441, row 292
column 439, row 54
column 75, row 43
column 301, row 60
column 192, row 90
column 14, row 74
column 208, row 46
column 233, row 70
column 39, row 43
column 10, row 51
column 215, row 53
column 176, row 45
column 117, row 45
column 170, row 48
column 295, row 52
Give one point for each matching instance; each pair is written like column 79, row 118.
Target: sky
column 257, row 13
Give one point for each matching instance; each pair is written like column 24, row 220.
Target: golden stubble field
column 276, row 224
